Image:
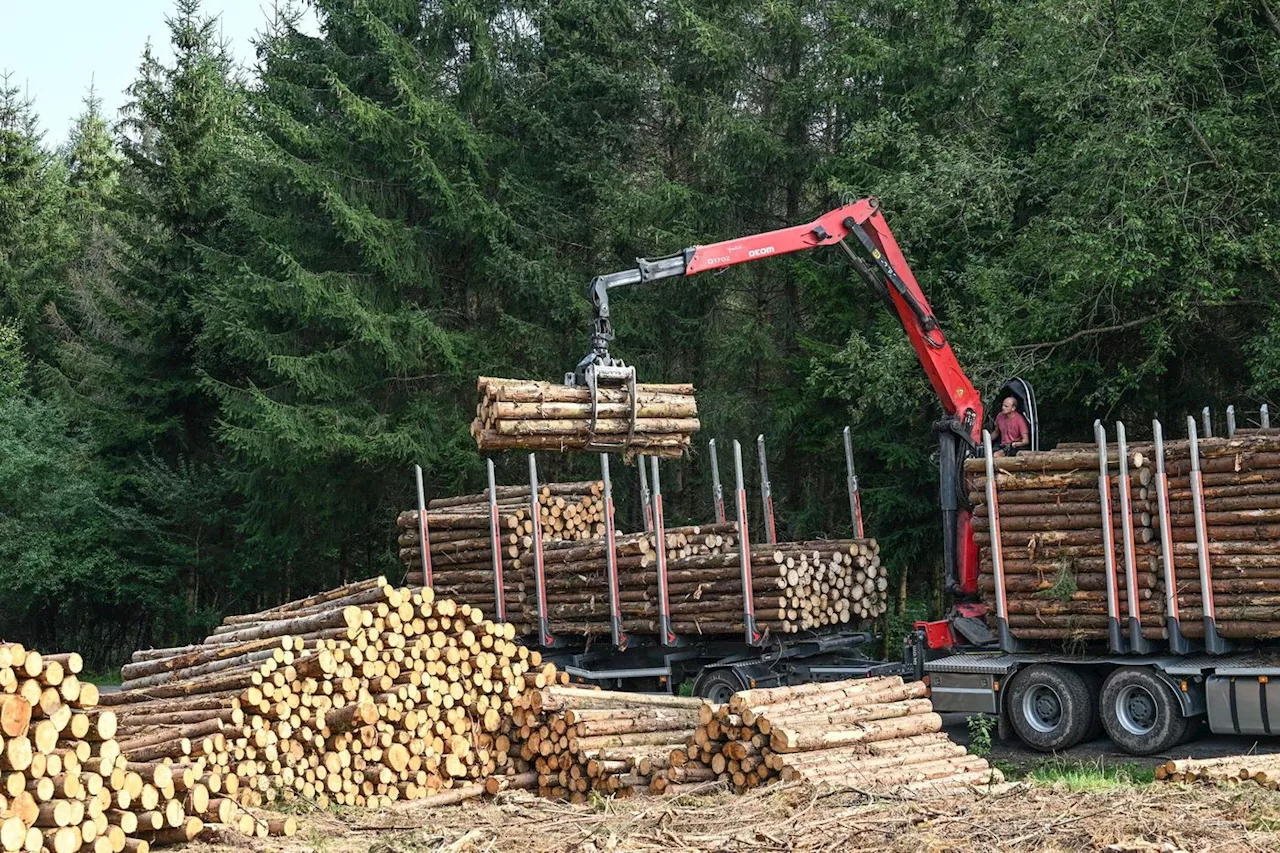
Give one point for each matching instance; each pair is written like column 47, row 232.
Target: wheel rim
column 1136, row 710
column 1042, row 708
column 720, row 692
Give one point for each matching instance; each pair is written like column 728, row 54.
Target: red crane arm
column 864, row 220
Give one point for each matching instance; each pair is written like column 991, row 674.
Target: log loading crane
column 721, row 668
column 1146, row 699
column 890, row 280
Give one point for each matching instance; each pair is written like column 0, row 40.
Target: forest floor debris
column 802, row 818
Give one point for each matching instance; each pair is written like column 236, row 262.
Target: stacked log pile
column 528, row 415
column 462, row 547
column 1051, row 528
column 577, row 576
column 796, row 586
column 358, row 696
column 872, row 733
column 64, row 786
column 579, row 740
column 1241, row 479
column 1262, row 770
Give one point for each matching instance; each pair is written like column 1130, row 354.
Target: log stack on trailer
column 874, row 733
column 518, row 414
column 1239, row 480
column 1204, row 524
column 796, row 586
column 1069, row 557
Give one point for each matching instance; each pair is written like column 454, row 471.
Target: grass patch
column 106, row 677
column 1081, row 776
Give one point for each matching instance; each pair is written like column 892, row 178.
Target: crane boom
column 890, row 279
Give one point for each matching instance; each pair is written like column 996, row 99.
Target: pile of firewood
column 517, row 414
column 868, row 733
column 1263, row 770
column 1054, row 552
column 64, row 785
column 1241, row 482
column 358, row 696
column 580, row 740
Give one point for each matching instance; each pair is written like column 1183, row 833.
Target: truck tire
column 718, row 685
column 1140, row 712
column 1050, row 707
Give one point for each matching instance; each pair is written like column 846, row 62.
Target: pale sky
column 54, row 48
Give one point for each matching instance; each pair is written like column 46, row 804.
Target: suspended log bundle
column 578, row 740
column 518, row 414
column 875, row 734
column 358, row 696
column 1055, row 557
column 1261, row 770
column 64, row 785
column 1241, row 487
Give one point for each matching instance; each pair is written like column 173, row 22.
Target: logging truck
column 1149, row 686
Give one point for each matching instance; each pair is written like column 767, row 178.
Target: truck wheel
column 1050, row 707
column 717, row 685
column 1140, row 712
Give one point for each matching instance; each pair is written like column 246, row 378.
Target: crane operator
column 1011, row 428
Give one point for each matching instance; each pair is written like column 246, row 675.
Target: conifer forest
column 234, row 316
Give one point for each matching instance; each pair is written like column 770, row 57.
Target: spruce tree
column 33, row 235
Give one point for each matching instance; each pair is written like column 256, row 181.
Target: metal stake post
column 611, row 557
column 1007, row 642
column 495, row 542
column 855, row 497
column 1115, row 634
column 1266, row 417
column 1178, row 643
column 1231, row 421
column 753, row 635
column 1207, row 421
column 424, row 535
column 1213, row 644
column 1137, row 643
column 766, row 494
column 717, row 491
column 646, row 499
column 669, row 637
column 539, row 573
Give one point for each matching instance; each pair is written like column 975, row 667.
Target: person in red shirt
column 1012, row 432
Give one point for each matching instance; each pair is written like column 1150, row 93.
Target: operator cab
column 1025, row 396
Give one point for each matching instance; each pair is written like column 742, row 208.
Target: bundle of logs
column 1241, row 481
column 1051, row 530
column 360, row 696
column 1054, row 553
column 518, row 414
column 1263, row 770
column 796, row 586
column 461, row 541
column 873, row 733
column 64, row 785
column 579, row 740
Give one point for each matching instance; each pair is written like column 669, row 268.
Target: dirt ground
column 801, row 818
